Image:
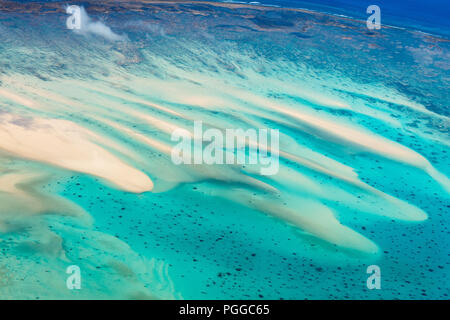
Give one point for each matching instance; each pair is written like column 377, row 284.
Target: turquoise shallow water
column 234, row 253
column 86, row 177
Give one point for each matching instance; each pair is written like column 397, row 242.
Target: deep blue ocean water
column 425, row 15
column 429, row 16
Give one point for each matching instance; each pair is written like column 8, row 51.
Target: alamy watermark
column 374, row 280
column 235, row 146
column 74, row 280
column 374, row 20
column 74, row 21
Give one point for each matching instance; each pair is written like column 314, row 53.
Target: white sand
column 66, row 145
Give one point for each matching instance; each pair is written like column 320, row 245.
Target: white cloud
column 97, row 28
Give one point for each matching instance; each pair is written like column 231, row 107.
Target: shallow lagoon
column 362, row 115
